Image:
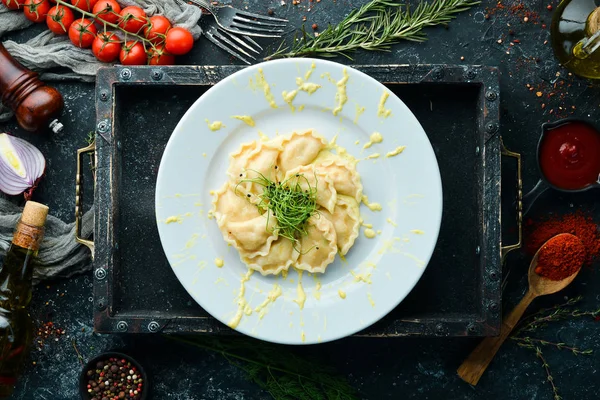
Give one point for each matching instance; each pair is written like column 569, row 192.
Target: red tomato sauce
column 570, row 155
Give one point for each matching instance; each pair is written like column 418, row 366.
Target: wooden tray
column 135, row 289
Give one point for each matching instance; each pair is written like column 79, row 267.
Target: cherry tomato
column 107, row 10
column 36, row 10
column 106, row 47
column 85, row 5
column 159, row 56
column 13, row 4
column 157, row 29
column 179, row 41
column 59, row 19
column 133, row 53
column 133, row 19
column 82, row 33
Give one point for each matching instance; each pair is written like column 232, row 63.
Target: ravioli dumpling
column 346, row 220
column 318, row 247
column 232, row 205
column 238, row 159
column 281, row 256
column 261, row 161
column 309, row 177
column 344, row 176
column 299, row 149
column 253, row 236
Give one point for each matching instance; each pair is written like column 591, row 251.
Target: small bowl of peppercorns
column 113, row 376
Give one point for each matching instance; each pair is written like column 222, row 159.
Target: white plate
column 408, row 186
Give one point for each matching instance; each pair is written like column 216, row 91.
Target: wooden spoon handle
column 475, row 365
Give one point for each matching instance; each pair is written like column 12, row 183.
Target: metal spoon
column 475, row 365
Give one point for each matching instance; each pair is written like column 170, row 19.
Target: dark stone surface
column 380, row 369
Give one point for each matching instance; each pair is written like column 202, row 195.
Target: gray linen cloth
column 49, row 51
column 60, row 255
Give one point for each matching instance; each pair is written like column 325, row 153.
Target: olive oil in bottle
column 575, row 36
column 16, row 327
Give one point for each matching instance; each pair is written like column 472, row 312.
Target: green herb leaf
column 281, row 372
column 375, row 26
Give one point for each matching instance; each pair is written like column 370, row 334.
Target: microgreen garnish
column 292, row 202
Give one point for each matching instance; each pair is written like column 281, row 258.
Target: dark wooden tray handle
column 504, row 250
column 79, row 197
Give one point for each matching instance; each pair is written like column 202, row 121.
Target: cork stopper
column 593, row 22
column 34, row 214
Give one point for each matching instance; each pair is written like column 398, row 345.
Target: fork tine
column 246, row 32
column 240, row 41
column 249, row 39
column 252, row 15
column 218, row 35
column 216, row 42
column 260, row 23
column 253, row 28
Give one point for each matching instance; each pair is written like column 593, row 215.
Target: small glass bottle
column 575, row 36
column 16, row 327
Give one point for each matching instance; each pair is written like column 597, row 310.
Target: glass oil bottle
column 16, row 327
column 575, row 36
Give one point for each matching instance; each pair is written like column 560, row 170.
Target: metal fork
column 230, row 42
column 243, row 22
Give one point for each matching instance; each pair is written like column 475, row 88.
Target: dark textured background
column 379, row 368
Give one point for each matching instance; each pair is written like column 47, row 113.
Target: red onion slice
column 21, row 165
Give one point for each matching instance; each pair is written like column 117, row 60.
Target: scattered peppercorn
column 315, row 27
column 114, row 379
column 270, row 11
column 549, row 7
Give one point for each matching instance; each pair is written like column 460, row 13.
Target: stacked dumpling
column 252, row 230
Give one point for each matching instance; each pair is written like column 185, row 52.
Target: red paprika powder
column 578, row 224
column 561, row 257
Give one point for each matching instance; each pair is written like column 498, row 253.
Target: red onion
column 21, row 165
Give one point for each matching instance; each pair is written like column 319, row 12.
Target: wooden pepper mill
column 36, row 105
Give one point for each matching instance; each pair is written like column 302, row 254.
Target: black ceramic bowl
column 91, row 365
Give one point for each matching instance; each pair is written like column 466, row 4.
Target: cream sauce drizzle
column 301, row 299
column 383, row 112
column 262, row 136
column 246, row 119
column 192, row 242
column 389, row 221
column 341, row 293
column 369, row 233
column 376, row 137
column 363, row 277
column 341, row 97
column 174, row 218
column 303, row 86
column 215, row 125
column 219, row 262
column 262, row 83
column 417, row 232
column 396, row 151
column 273, row 295
column 370, row 299
column 371, row 206
column 243, row 307
column 359, row 111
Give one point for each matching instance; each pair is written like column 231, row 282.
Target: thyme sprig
column 281, row 372
column 291, row 202
column 375, row 26
column 541, row 319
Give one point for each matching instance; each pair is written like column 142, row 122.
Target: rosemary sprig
column 540, row 319
column 374, row 26
column 549, row 377
column 280, row 372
